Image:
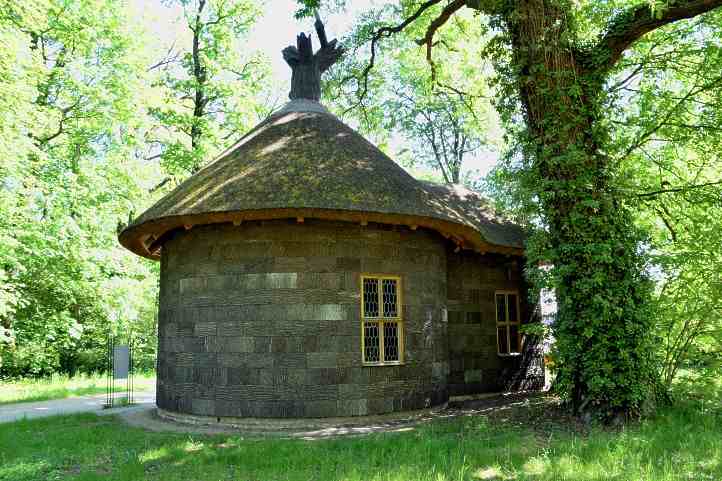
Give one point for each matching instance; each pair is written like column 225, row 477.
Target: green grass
column 59, row 387
column 683, row 442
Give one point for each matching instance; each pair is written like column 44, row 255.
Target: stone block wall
column 475, row 366
column 263, row 320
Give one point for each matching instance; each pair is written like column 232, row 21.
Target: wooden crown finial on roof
column 307, row 67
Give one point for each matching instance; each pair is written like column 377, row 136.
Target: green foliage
column 82, row 87
column 67, row 177
column 667, row 142
column 203, row 90
column 442, row 127
column 443, row 121
column 308, row 7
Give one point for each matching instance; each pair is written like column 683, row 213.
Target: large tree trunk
column 602, row 330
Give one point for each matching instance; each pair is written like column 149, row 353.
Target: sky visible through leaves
column 275, row 30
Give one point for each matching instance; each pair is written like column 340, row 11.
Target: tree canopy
column 95, row 126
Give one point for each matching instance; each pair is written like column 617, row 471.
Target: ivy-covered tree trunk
column 603, row 329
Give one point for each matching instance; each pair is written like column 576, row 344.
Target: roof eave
column 146, row 239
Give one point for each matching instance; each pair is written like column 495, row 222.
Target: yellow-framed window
column 382, row 326
column 508, row 318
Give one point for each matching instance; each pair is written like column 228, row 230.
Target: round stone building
column 305, row 274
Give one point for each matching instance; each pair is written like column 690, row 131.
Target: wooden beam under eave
column 136, row 238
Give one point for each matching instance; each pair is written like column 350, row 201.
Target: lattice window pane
column 514, row 337
column 500, row 308
column 391, row 341
column 503, row 340
column 371, row 342
column 371, row 298
column 390, row 297
column 513, row 315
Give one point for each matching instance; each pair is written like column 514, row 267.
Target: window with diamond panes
column 507, row 322
column 382, row 326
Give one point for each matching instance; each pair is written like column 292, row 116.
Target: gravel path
column 81, row 404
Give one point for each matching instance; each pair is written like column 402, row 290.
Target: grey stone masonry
column 263, row 320
column 475, row 365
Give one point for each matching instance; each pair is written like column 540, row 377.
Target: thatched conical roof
column 303, row 162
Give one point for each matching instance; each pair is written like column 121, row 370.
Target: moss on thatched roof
column 304, row 162
column 479, row 211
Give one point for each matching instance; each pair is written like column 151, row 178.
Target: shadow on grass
column 525, row 439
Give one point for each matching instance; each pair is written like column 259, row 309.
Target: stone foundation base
column 307, row 426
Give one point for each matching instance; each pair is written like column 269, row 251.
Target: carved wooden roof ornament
column 307, row 67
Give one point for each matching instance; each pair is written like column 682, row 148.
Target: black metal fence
column 119, row 368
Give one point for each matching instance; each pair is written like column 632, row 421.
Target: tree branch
column 678, row 189
column 387, row 32
column 631, row 25
column 663, row 215
column 160, row 185
column 242, row 73
column 695, row 90
column 64, row 117
column 434, row 26
column 168, row 58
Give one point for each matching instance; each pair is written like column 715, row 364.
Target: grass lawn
column 530, row 442
column 59, row 387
